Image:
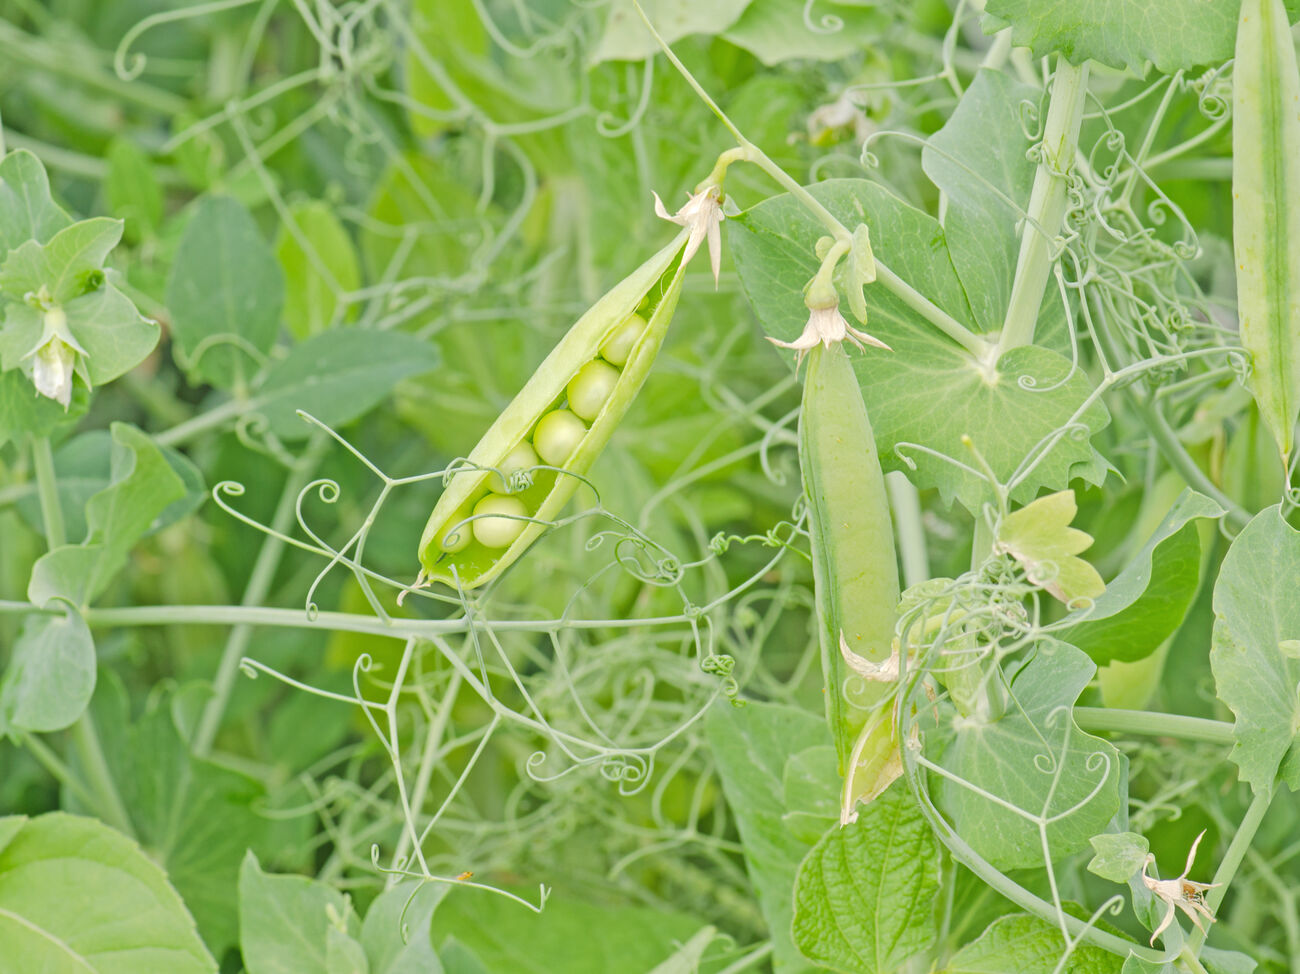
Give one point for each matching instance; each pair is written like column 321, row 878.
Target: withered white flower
column 54, row 358
column 885, row 671
column 702, row 215
column 1180, row 893
column 827, row 326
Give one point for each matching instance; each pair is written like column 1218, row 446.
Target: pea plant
column 649, row 486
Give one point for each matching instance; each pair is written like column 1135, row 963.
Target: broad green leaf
column 979, row 160
column 782, row 30
column 1039, row 536
column 143, row 487
column 285, row 923
column 68, row 265
column 506, row 936
column 77, row 896
column 1148, row 600
column 316, row 274
column 808, row 786
column 626, row 39
column 131, row 189
column 1265, row 226
column 396, row 931
column 27, row 211
column 928, row 391
column 1037, row 759
column 751, row 745
column 1121, row 33
column 1119, row 855
column 1255, row 612
column 194, row 817
column 1027, row 944
column 864, row 897
column 51, row 675
column 224, row 294
column 339, row 375
column 689, row 956
column 23, row 411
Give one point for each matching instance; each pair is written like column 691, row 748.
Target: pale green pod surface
column 855, row 573
column 652, row 291
column 1266, row 217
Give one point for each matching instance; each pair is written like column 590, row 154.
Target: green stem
column 58, row 769
column 47, row 490
column 1167, row 442
column 259, row 584
column 1154, row 724
column 905, row 501
column 109, row 805
column 1227, row 870
column 1047, row 201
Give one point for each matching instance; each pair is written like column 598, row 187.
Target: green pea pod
column 1266, row 219
column 855, row 573
column 452, row 548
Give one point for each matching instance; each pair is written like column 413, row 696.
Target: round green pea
column 618, row 346
column 457, row 536
column 591, row 388
column 522, row 457
column 498, row 532
column 557, row 435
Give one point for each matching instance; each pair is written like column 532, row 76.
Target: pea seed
column 456, row 538
column 499, row 532
column 522, row 457
column 591, row 388
column 558, row 435
column 619, row 345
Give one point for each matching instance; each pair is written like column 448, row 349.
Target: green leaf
column 1147, row 602
column 23, row 411
column 864, row 897
column 224, row 293
column 285, row 923
column 67, row 266
column 1027, row 944
column 506, row 936
column 626, row 39
column 314, row 275
column 1255, row 611
column 339, row 375
column 928, row 391
column 688, row 958
column 420, row 218
column 27, row 211
column 1039, row 536
column 51, row 676
column 1037, row 759
column 77, row 896
column 113, row 333
column 1120, row 855
column 979, row 161
column 143, row 487
column 782, row 30
column 193, row 816
column 396, row 931
column 808, row 786
column 131, row 188
column 751, row 745
column 1121, row 33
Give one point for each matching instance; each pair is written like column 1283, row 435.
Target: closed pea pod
column 855, row 574
column 537, row 423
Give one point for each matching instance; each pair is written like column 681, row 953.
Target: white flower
column 702, row 215
column 55, row 358
column 1180, row 893
column 827, row 326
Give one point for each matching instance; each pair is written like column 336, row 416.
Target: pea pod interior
column 651, row 291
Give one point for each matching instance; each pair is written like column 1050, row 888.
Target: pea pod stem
column 47, row 491
column 748, row 152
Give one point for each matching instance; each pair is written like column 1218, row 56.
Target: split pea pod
column 855, row 574
column 1266, row 219
column 556, row 426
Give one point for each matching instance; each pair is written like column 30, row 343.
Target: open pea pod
column 552, row 431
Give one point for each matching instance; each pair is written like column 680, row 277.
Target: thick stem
column 905, row 501
column 1154, row 724
column 47, row 489
column 108, row 801
column 1046, row 212
column 1227, row 870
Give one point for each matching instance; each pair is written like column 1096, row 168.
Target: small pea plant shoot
column 871, row 551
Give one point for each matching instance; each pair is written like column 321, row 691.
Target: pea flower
column 826, row 325
column 55, row 358
column 1180, row 893
column 702, row 215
